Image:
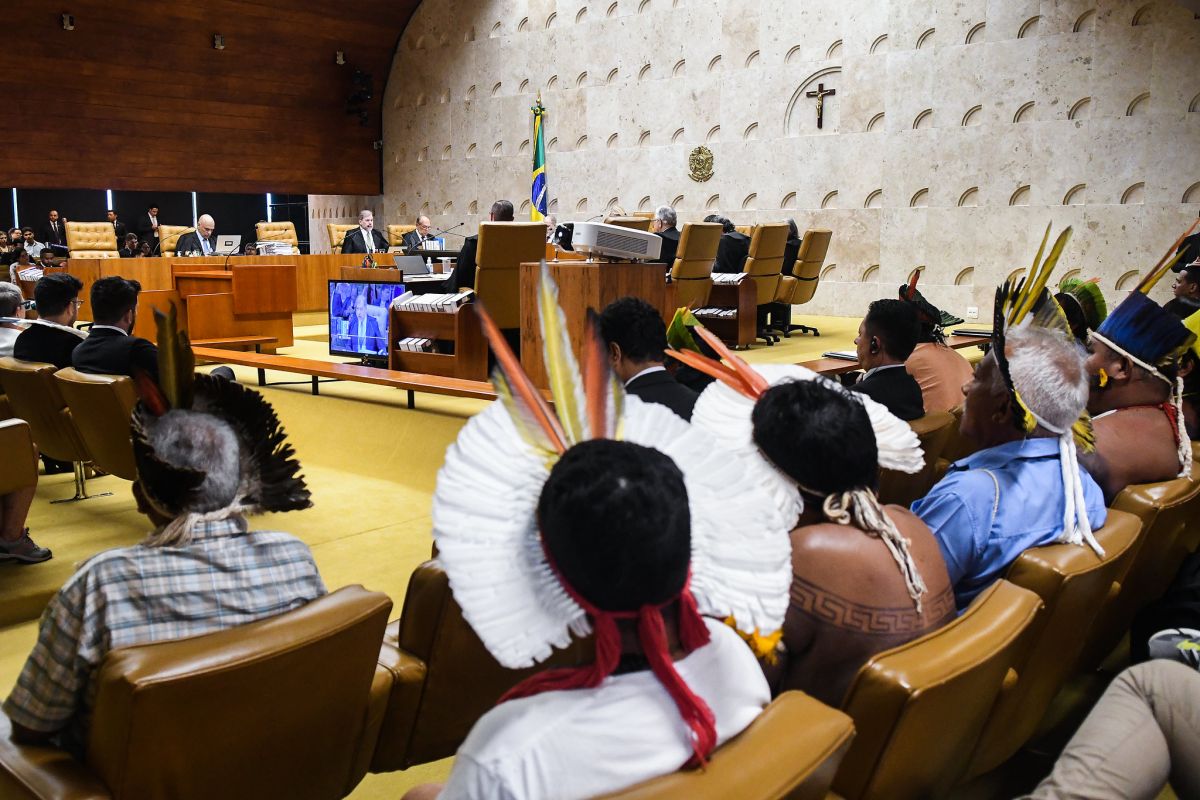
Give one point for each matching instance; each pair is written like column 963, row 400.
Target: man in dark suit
column 118, row 227
column 111, row 348
column 734, row 248
column 130, row 248
column 147, row 228
column 52, row 337
column 200, row 241
column 886, row 338
column 464, row 269
column 364, row 239
column 636, row 338
column 414, row 239
column 664, row 225
column 54, row 233
column 363, row 330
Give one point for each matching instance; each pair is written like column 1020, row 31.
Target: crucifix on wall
column 820, row 94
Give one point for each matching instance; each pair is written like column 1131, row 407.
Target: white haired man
column 364, row 238
column 12, row 316
column 664, row 225
column 414, row 239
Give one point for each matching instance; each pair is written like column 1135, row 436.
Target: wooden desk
column 741, row 330
column 837, row 366
column 583, row 285
column 247, row 300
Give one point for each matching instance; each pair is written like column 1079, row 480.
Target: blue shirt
column 981, row 532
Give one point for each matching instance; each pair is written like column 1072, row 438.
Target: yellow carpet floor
column 371, row 464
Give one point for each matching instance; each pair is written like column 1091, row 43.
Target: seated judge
column 364, row 239
column 636, row 338
column 734, row 248
column 200, row 241
column 791, row 250
column 464, row 270
column 664, row 223
column 52, row 337
column 111, row 348
column 886, row 338
column 414, row 239
column 551, row 226
column 363, row 329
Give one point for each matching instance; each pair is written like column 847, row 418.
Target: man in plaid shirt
column 201, row 571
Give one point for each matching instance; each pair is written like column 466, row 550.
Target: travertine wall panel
column 959, row 129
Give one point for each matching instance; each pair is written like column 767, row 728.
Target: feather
column 176, row 363
column 599, row 387
column 528, row 428
column 1021, row 294
column 679, row 334
column 1161, row 268
column 754, row 382
column 714, row 369
column 1154, row 277
column 526, row 399
column 1039, row 276
column 149, row 393
column 562, row 370
column 911, row 292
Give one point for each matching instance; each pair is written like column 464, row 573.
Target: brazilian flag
column 537, row 209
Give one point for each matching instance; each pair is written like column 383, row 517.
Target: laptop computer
column 229, row 244
column 412, row 265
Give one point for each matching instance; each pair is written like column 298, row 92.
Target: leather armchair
column 632, row 222
column 800, row 287
column 503, row 247
column 395, row 234
column 168, row 237
column 277, row 232
column 443, row 678
column 901, row 488
column 918, row 708
column 336, row 234
column 764, row 266
column 35, row 397
column 19, row 467
column 101, row 406
column 692, row 271
column 92, row 240
column 791, row 750
column 276, row 708
column 1073, row 584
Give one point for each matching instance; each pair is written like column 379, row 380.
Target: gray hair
column 10, row 299
column 363, row 214
column 1047, row 368
column 666, row 215
column 206, row 444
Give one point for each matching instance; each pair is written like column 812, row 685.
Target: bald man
column 414, row 239
column 200, row 241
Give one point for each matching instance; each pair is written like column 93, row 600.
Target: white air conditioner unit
column 599, row 239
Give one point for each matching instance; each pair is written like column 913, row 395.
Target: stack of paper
column 415, row 344
column 728, row 277
column 441, row 303
column 716, row 312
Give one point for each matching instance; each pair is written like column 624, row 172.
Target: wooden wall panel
column 136, row 97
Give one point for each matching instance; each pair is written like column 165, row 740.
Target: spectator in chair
column 636, row 338
column 886, row 338
column 664, row 223
column 15, row 544
column 32, row 245
column 464, row 270
column 940, row 371
column 111, row 348
column 46, row 258
column 53, row 337
column 21, row 263
column 201, row 470
column 12, row 317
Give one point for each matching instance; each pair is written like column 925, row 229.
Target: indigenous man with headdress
column 1189, row 370
column 1084, row 305
column 208, row 452
column 939, row 370
column 1025, row 405
column 865, row 578
column 611, row 516
column 1136, row 400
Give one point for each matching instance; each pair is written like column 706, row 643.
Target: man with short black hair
column 130, row 247
column 886, row 338
column 464, row 270
column 636, row 338
column 734, row 247
column 53, row 338
column 1187, row 292
column 664, row 223
column 112, row 349
column 147, row 228
column 32, row 245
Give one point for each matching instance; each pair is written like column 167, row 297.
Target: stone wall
column 957, row 131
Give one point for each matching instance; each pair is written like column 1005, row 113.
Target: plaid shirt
column 135, row 595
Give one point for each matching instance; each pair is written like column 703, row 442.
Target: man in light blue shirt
column 1009, row 497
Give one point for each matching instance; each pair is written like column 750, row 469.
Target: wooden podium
column 246, row 301
column 583, row 285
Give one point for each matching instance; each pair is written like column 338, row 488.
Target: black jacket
column 110, row 352
column 464, row 269
column 190, row 243
column 670, row 244
column 413, row 240
column 119, row 230
column 50, row 236
column 660, row 387
column 732, row 252
column 46, row 344
column 352, row 242
column 895, row 389
column 790, row 251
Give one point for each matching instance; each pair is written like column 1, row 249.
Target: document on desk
column 844, row 355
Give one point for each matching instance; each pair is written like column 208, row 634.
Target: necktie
column 368, row 240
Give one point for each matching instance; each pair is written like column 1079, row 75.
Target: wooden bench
column 836, row 366
column 411, row 382
column 235, row 342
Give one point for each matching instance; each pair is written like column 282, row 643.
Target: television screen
column 358, row 317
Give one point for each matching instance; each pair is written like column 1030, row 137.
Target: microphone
column 451, row 230
column 598, row 216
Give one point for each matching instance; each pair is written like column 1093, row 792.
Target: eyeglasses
column 77, row 303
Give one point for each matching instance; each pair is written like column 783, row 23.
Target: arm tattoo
column 841, row 612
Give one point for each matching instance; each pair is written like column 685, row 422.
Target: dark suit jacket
column 120, row 230
column 1190, row 247
column 412, row 240
column 49, row 236
column 790, row 251
column 1182, row 307
column 464, row 270
column 109, row 352
column 145, row 229
column 125, row 252
column 46, row 344
column 732, row 252
column 662, row 388
column 374, row 343
column 190, row 242
column 670, row 244
column 353, row 242
column 896, row 390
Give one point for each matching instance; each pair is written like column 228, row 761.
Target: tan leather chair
column 275, row 708
column 637, row 223
column 35, row 398
column 395, row 234
column 958, row 446
column 692, row 271
column 443, row 678
column 92, row 240
column 336, row 234
column 168, row 237
column 745, row 230
column 503, row 247
column 791, row 750
column 918, row 708
column 799, row 287
column 1073, row 584
column 101, row 406
column 764, row 266
column 1165, row 510
column 19, row 467
column 278, row 232
column 899, row 487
